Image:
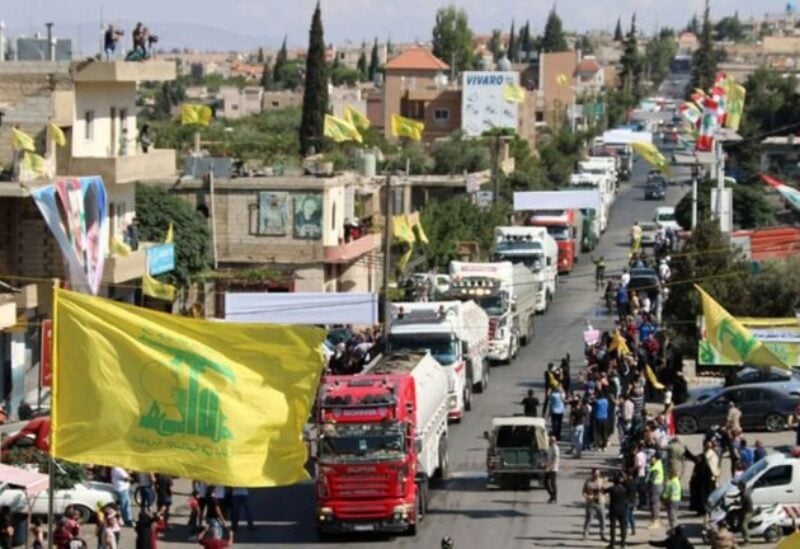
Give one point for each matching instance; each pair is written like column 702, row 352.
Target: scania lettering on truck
column 566, row 227
column 456, row 334
column 382, row 435
column 507, row 292
column 534, row 248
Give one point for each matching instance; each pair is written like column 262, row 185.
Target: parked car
column 655, row 188
column 645, row 280
column 83, row 497
column 763, row 408
column 649, row 230
column 786, row 381
column 664, row 216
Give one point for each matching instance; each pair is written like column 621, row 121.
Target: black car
column 655, row 189
column 762, row 408
column 645, row 280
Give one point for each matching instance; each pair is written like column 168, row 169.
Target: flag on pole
column 406, row 127
column 562, row 79
column 513, row 93
column 736, row 97
column 730, row 338
column 198, row 115
column 119, row 248
column 708, row 126
column 56, row 134
column 222, row 403
column 156, row 289
column 651, row 155
column 356, row 117
column 691, row 113
column 340, row 130
column 21, row 141
column 401, row 229
column 170, row 238
column 34, row 163
column 414, row 222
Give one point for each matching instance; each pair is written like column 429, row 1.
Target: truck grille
column 360, row 487
column 362, row 511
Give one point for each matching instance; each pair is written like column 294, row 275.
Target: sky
column 264, row 22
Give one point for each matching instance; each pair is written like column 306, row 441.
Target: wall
column 101, row 97
column 275, row 100
column 557, row 98
column 395, row 86
column 26, row 246
column 122, row 202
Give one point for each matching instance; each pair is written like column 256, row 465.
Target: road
column 463, row 508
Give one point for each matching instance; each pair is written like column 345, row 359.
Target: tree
column 457, row 155
column 525, row 41
column 584, row 44
column 750, row 206
column 704, row 59
column 452, row 38
column 495, row 44
column 315, row 95
column 554, row 39
column 618, row 36
column 513, row 46
column 694, row 25
column 374, row 62
column 267, row 82
column 631, row 73
column 280, row 61
column 345, row 76
column 658, row 55
column 156, row 209
column 729, row 28
column 260, row 59
column 169, row 94
column 362, row 62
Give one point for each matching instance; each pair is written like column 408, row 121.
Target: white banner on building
column 483, row 104
column 557, row 200
column 302, row 308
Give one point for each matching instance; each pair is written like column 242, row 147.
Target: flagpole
column 387, row 252
column 51, row 473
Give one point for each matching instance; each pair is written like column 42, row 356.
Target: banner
column 81, row 239
column 199, row 115
column 731, row 339
column 651, row 155
column 402, row 230
column 221, row 403
column 779, row 335
column 302, row 308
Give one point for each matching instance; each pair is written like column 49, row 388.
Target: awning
column 32, row 482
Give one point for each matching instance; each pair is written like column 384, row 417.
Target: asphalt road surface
column 463, row 508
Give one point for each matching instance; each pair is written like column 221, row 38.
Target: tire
column 444, row 461
column 775, row 423
column 687, row 425
column 483, row 384
column 773, row 534
column 85, row 514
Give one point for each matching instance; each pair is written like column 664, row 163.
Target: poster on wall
column 308, row 216
column 484, row 106
column 273, row 213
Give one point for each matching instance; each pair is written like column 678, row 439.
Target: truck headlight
column 452, row 402
column 400, row 512
column 325, row 513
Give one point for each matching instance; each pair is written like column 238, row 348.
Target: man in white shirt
column 625, row 278
column 121, row 481
column 551, row 470
column 664, row 272
column 640, row 465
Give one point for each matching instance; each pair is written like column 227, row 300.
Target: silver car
column 785, row 381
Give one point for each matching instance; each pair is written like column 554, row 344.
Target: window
column 88, row 125
column 276, row 104
column 777, row 476
column 440, row 116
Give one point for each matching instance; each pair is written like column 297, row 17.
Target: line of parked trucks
column 382, row 435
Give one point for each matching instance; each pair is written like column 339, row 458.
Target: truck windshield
column 441, row 347
column 494, row 305
column 559, row 232
column 532, row 261
column 361, row 442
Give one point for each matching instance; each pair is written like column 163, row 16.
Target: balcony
column 123, row 71
column 156, row 164
column 8, row 311
column 28, row 297
column 349, row 252
column 120, row 269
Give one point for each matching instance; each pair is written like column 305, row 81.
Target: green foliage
column 447, row 222
column 704, row 59
column 413, row 156
column 775, row 289
column 584, row 44
column 266, row 81
column 618, row 103
column 361, row 65
column 750, row 206
column 495, row 45
column 558, row 156
column 618, row 36
column 457, row 155
column 345, row 76
column 315, row 95
column 658, row 55
column 525, row 41
column 554, row 39
column 280, row 60
column 169, row 94
column 452, row 38
column 729, row 28
column 631, row 73
column 156, row 209
column 693, row 25
column 67, row 474
column 513, row 45
column 374, row 62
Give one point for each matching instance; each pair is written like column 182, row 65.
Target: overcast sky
column 403, row 20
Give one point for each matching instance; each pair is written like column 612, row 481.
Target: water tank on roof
column 367, row 164
column 504, row 64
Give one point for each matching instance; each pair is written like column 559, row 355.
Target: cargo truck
column 534, row 248
column 456, row 334
column 382, row 436
column 566, row 227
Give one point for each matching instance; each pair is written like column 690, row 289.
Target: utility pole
column 496, row 174
column 387, row 252
column 694, row 194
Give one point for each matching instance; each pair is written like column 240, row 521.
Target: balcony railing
column 118, row 269
column 158, row 163
column 350, row 251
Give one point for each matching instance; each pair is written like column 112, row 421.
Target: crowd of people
column 352, row 350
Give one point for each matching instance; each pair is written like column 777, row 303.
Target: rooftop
column 588, row 65
column 123, row 71
column 417, row 59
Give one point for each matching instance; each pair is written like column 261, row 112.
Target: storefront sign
column 160, row 259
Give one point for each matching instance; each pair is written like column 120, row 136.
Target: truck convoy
column 456, row 334
column 534, row 248
column 382, row 435
column 566, row 227
column 507, row 293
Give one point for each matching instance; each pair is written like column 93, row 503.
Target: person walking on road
column 599, row 272
column 594, row 499
column 121, row 481
column 630, row 503
column 617, row 500
column 556, row 411
column 655, row 481
column 600, row 421
column 745, row 510
column 530, row 404
column 240, row 506
column 577, row 413
column 672, row 498
column 551, row 469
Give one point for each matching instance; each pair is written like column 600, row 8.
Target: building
column 237, row 103
column 292, row 225
column 94, row 104
column 781, row 154
column 590, row 78
column 283, row 99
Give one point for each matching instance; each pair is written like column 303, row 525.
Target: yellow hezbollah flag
column 513, row 93
column 651, row 155
column 402, row 263
column 414, row 222
column 156, row 289
column 340, row 130
column 651, row 377
column 218, row 402
column 21, row 141
column 199, row 115
column 791, row 542
column 562, row 79
column 406, row 127
column 34, row 163
column 618, row 344
column 118, row 247
column 736, row 96
column 402, row 230
column 730, row 338
column 356, row 118
column 170, row 235
column 56, row 134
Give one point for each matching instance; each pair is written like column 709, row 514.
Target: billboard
column 483, row 105
column 302, row 308
column 557, row 200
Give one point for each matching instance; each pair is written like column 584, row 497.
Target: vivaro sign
column 483, row 106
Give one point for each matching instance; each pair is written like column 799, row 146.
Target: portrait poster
column 308, row 216
column 273, row 213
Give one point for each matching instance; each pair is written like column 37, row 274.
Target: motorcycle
column 765, row 522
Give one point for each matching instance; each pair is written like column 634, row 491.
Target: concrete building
column 781, row 154
column 283, row 99
column 237, row 103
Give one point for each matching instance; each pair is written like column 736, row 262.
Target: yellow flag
column 401, row 230
column 21, row 141
column 156, row 289
column 170, row 235
column 651, row 377
column 119, row 248
column 56, row 134
column 790, row 542
column 732, row 339
column 651, row 155
column 402, row 262
column 618, row 344
column 406, row 127
column 562, row 79
column 513, row 93
column 199, row 115
column 218, row 402
column 736, row 96
column 414, row 222
column 33, row 162
column 356, row 118
column 340, row 130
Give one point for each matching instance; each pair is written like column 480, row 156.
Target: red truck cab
column 564, row 226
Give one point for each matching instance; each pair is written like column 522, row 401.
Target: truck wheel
column 772, row 534
column 468, row 396
column 444, row 461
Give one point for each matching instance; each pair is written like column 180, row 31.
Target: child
column 194, row 515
